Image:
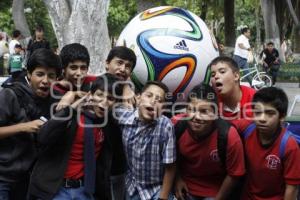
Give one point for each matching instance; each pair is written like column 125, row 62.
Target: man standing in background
column 241, row 51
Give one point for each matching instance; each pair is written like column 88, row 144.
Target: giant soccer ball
column 172, row 45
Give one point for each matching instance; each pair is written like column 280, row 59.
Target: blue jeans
column 136, row 196
column 242, row 63
column 13, row 191
column 117, row 187
column 72, row 194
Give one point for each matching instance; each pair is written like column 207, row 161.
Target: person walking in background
column 3, row 50
column 241, row 51
column 283, row 48
column 16, row 40
column 38, row 41
column 15, row 62
column 271, row 62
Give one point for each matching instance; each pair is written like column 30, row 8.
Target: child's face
column 102, row 102
column 223, row 78
column 41, row 79
column 201, row 115
column 266, row 118
column 75, row 72
column 119, row 67
column 18, row 50
column 150, row 103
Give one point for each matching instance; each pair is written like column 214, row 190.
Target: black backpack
column 222, row 127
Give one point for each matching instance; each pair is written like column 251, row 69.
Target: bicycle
column 259, row 79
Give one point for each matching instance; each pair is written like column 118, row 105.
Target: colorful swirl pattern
column 159, row 64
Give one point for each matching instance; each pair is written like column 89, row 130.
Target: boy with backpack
column 77, row 146
column 210, row 151
column 149, row 144
column 22, row 108
column 272, row 154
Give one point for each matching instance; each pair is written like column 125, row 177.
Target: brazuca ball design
column 172, row 45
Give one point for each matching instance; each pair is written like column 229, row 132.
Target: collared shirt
column 234, row 110
column 148, row 146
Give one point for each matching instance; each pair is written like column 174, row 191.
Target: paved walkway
column 291, row 89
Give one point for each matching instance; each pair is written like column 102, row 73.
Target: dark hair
column 108, row 82
column 16, row 33
column 39, row 28
column 203, row 91
column 270, row 43
column 123, row 53
column 244, row 30
column 18, row 46
column 44, row 58
column 157, row 83
column 73, row 52
column 224, row 59
column 273, row 96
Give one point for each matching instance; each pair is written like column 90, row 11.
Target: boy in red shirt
column 272, row 157
column 75, row 59
column 77, row 146
column 201, row 172
column 234, row 99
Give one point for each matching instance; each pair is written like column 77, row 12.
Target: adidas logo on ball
column 181, row 45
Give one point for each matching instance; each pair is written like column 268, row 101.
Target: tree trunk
column 292, row 11
column 203, row 10
column 280, row 8
column 229, row 23
column 296, row 30
column 85, row 23
column 258, row 27
column 270, row 22
column 19, row 17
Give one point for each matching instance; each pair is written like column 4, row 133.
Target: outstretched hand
column 69, row 98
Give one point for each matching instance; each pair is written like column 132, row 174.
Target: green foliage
column 289, row 73
column 6, row 22
column 245, row 12
column 119, row 14
column 39, row 16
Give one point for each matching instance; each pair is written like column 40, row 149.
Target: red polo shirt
column 75, row 168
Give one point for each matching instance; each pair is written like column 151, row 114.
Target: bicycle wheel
column 261, row 80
